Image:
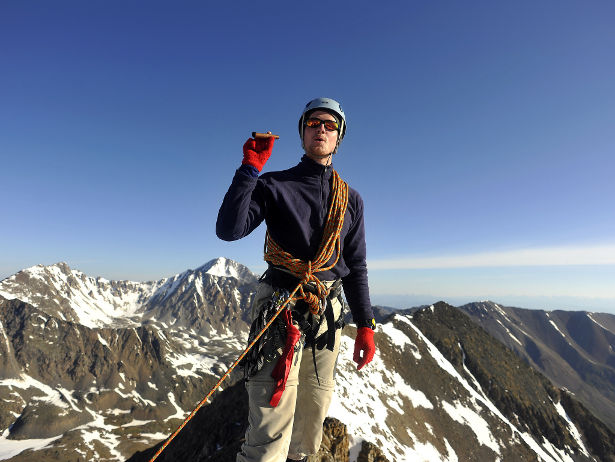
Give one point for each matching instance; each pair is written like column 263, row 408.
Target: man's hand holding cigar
column 256, row 151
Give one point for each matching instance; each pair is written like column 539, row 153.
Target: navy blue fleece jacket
column 294, row 204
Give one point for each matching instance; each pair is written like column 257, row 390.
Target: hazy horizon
column 411, row 300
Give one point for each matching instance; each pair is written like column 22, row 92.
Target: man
column 315, row 245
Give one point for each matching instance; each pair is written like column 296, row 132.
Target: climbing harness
column 304, row 272
column 313, row 332
column 266, row 348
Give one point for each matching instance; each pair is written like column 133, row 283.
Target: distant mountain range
column 92, row 369
column 575, row 349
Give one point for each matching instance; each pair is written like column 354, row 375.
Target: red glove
column 257, row 151
column 364, row 347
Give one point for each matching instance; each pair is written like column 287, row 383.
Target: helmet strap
column 339, row 136
column 302, row 130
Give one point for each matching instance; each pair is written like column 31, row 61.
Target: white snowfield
column 364, row 400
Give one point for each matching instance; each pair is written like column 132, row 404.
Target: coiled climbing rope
column 303, row 270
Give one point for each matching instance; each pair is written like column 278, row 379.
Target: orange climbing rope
column 303, row 270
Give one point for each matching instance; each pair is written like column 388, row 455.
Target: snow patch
column 221, row 267
column 556, row 328
column 10, row 448
column 97, row 430
column 399, row 338
column 589, row 315
column 509, row 332
column 571, row 427
column 137, row 423
column 479, row 426
column 179, row 412
column 103, row 341
column 6, row 339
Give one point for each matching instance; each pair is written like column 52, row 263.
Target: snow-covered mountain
column 70, row 295
column 81, row 357
column 92, row 369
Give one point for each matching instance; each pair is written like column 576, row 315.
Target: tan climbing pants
column 293, row 428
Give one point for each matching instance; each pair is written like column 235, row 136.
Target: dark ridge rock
column 574, row 349
column 599, row 438
column 371, row 453
column 521, row 393
column 421, row 370
column 43, row 421
column 383, row 313
column 534, row 352
column 9, row 368
column 335, row 444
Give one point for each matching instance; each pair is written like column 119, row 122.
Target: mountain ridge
column 575, row 349
column 96, row 302
column 105, row 391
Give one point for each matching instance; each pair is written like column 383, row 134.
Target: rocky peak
column 223, row 267
column 71, row 295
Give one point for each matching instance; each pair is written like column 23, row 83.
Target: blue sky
column 480, row 135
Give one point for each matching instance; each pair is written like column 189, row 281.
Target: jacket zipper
column 323, row 205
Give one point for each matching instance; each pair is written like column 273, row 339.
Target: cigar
column 265, row 135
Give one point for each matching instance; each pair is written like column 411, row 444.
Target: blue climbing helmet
column 324, row 104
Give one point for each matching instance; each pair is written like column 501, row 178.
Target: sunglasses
column 330, row 125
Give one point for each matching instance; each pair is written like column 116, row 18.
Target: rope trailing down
column 227, row 373
column 304, row 271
